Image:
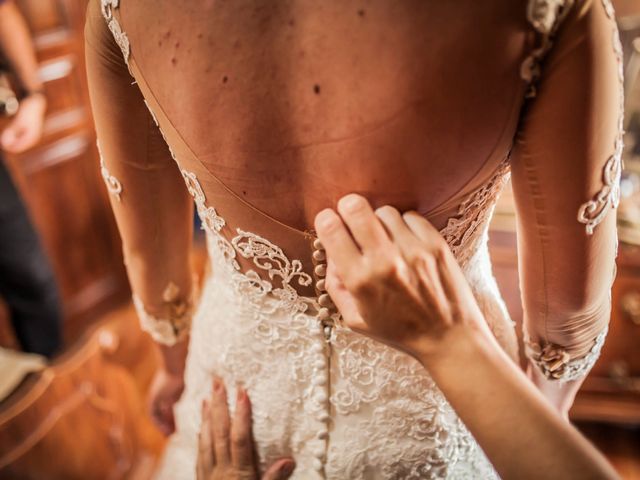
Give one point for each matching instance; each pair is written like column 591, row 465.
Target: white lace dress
column 345, row 406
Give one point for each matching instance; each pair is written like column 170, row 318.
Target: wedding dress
column 343, row 405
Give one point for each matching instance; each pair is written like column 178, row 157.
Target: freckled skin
column 298, row 103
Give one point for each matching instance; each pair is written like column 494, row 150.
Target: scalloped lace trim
column 166, row 331
column 463, row 232
column 556, row 363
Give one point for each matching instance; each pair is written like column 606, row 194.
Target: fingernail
column 350, row 201
column 217, row 384
column 287, row 469
column 325, row 218
column 241, row 394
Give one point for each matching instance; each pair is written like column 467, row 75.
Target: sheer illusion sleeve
column 152, row 207
column 565, row 170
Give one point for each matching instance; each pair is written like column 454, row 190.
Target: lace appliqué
column 556, row 363
column 545, row 16
column 594, row 211
column 463, row 231
column 265, row 256
column 108, row 6
column 167, row 331
column 114, row 187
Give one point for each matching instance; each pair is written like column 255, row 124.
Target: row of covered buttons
column 327, row 307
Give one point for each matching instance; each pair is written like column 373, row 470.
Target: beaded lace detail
column 556, row 364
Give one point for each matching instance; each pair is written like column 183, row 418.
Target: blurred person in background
column 27, row 282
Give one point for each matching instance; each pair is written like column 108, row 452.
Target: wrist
column 174, row 357
column 458, row 342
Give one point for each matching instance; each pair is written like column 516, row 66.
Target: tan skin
column 225, row 443
column 394, row 278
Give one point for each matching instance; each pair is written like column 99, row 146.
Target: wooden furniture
column 60, row 177
column 83, row 417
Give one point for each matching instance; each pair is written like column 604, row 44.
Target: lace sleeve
column 151, row 205
column 565, row 170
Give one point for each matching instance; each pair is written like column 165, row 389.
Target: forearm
column 515, row 421
column 559, row 394
column 174, row 357
column 17, row 47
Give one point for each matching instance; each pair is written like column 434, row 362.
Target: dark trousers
column 27, row 283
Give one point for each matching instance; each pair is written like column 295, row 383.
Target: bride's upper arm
column 150, row 202
column 565, row 169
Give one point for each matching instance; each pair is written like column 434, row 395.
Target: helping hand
column 166, row 389
column 225, row 446
column 25, row 129
column 393, row 276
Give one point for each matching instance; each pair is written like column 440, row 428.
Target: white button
column 319, row 255
column 320, row 379
column 320, row 364
column 323, row 434
column 320, row 285
column 325, row 300
column 324, row 417
column 319, row 452
column 317, row 348
column 317, row 244
column 317, row 464
column 321, row 397
column 324, row 313
column 321, row 270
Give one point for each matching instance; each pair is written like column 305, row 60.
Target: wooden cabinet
column 60, row 179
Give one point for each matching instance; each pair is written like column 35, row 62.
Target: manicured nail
column 240, row 394
column 287, row 469
column 325, row 218
column 217, row 384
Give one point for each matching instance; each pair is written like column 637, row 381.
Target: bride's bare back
column 294, row 104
